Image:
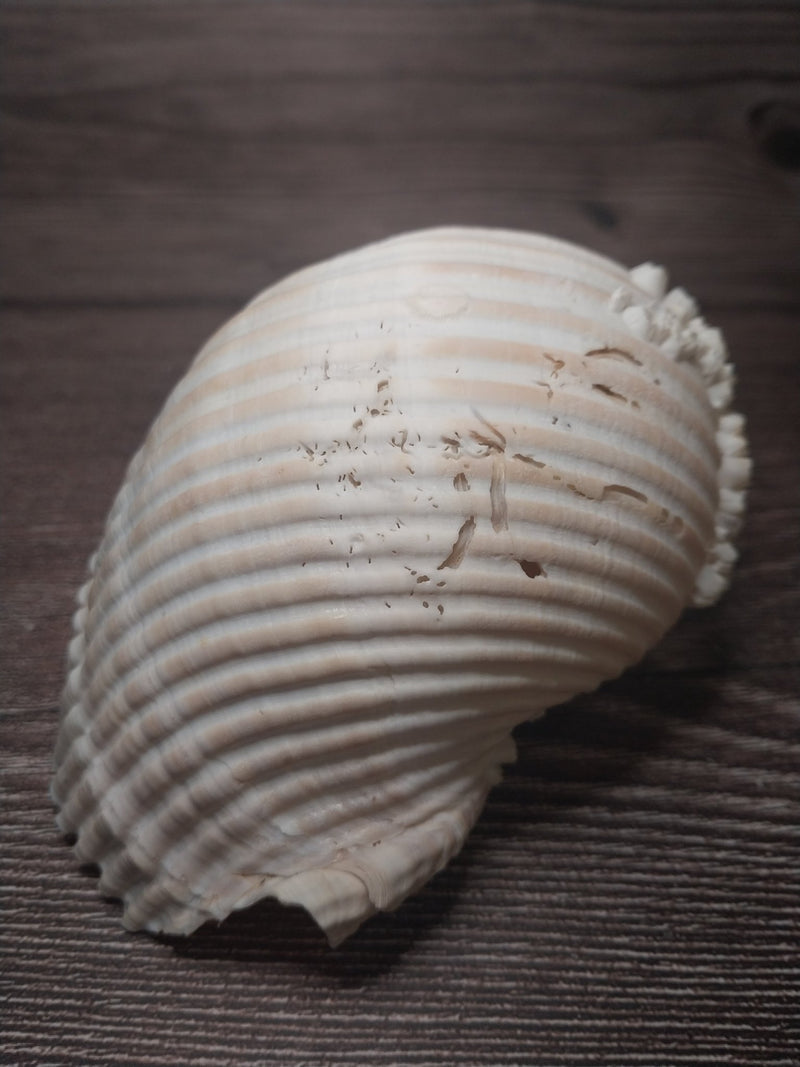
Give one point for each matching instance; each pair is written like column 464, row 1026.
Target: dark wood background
column 631, row 894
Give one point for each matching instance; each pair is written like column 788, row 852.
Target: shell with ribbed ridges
column 406, row 499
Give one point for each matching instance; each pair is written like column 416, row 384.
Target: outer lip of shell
column 670, row 320
column 142, row 853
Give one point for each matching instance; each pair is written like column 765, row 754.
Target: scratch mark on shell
column 460, row 545
column 499, row 444
column 622, row 490
column 608, row 391
column 529, row 459
column 611, row 352
column 497, row 494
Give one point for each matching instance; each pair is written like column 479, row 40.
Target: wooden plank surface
column 631, row 894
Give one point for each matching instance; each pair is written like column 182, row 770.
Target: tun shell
column 404, row 500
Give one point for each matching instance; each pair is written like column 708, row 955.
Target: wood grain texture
column 631, row 894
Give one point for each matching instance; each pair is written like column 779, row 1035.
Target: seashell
column 404, row 500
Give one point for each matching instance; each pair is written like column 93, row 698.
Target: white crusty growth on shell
column 404, row 500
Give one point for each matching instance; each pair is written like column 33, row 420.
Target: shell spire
column 404, row 500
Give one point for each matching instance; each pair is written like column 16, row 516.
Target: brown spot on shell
column 452, row 447
column 557, row 363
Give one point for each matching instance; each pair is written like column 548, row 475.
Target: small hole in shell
column 532, row 569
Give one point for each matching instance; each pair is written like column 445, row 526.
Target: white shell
column 404, row 500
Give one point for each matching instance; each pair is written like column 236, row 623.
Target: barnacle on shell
column 406, row 499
